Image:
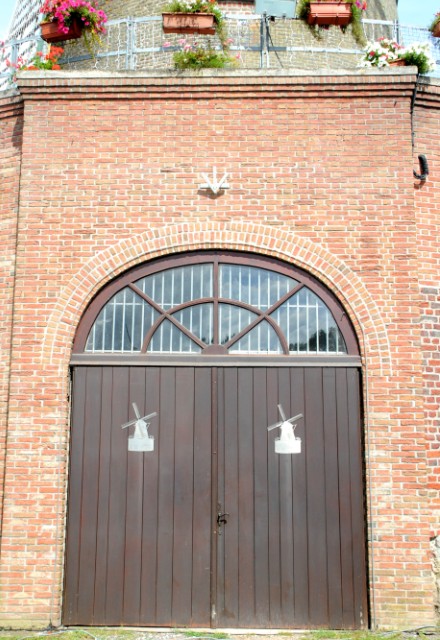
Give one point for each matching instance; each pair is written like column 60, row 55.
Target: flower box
column 51, row 32
column 397, row 63
column 328, row 12
column 203, row 23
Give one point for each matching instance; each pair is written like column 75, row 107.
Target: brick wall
column 11, row 122
column 426, row 124
column 320, row 173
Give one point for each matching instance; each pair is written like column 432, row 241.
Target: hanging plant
column 345, row 12
column 71, row 15
column 192, row 9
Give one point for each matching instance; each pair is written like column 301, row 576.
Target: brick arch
column 265, row 240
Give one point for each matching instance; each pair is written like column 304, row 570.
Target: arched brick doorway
column 213, row 342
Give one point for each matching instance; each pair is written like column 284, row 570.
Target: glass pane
column 308, row 325
column 257, row 287
column 232, row 320
column 199, row 320
column 261, row 339
column 121, row 324
column 169, row 339
column 176, row 286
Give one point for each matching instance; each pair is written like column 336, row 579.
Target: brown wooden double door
column 143, row 543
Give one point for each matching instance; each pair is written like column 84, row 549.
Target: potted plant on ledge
column 69, row 19
column 39, row 62
column 382, row 53
column 386, row 53
column 195, row 56
column 193, row 16
column 434, row 27
column 324, row 13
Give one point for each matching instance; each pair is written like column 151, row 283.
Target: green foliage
column 356, row 25
column 194, row 634
column 352, row 635
column 417, row 55
column 435, row 22
column 193, row 56
column 126, row 634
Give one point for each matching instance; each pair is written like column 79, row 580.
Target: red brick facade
column 320, row 172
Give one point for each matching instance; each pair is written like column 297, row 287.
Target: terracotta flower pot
column 328, row 12
column 436, row 30
column 397, row 63
column 203, row 23
column 51, row 32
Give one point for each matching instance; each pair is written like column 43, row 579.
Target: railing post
column 14, row 52
column 130, row 45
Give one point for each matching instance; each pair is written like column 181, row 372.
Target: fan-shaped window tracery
column 224, row 303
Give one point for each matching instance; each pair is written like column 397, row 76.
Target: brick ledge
column 259, row 83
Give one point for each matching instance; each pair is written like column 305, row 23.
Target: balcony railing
column 134, row 44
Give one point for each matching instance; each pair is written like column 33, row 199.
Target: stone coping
column 316, row 75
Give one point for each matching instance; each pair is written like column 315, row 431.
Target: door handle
column 222, row 518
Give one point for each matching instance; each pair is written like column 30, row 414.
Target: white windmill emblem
column 140, row 440
column 287, row 442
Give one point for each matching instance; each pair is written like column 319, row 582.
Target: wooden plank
column 183, row 497
column 75, row 491
column 118, row 493
column 273, row 475
column 332, row 499
column 348, row 615
column 229, row 615
column 89, row 498
column 166, row 497
column 150, row 504
column 299, row 505
column 357, row 499
column 133, row 520
column 104, row 497
column 218, row 498
column 261, row 559
column 246, row 514
column 286, row 517
column 202, row 516
column 317, row 543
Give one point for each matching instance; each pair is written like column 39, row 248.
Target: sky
column 411, row 12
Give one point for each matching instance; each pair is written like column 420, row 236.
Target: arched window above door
column 216, row 303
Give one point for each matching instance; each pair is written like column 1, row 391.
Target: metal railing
column 138, row 43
